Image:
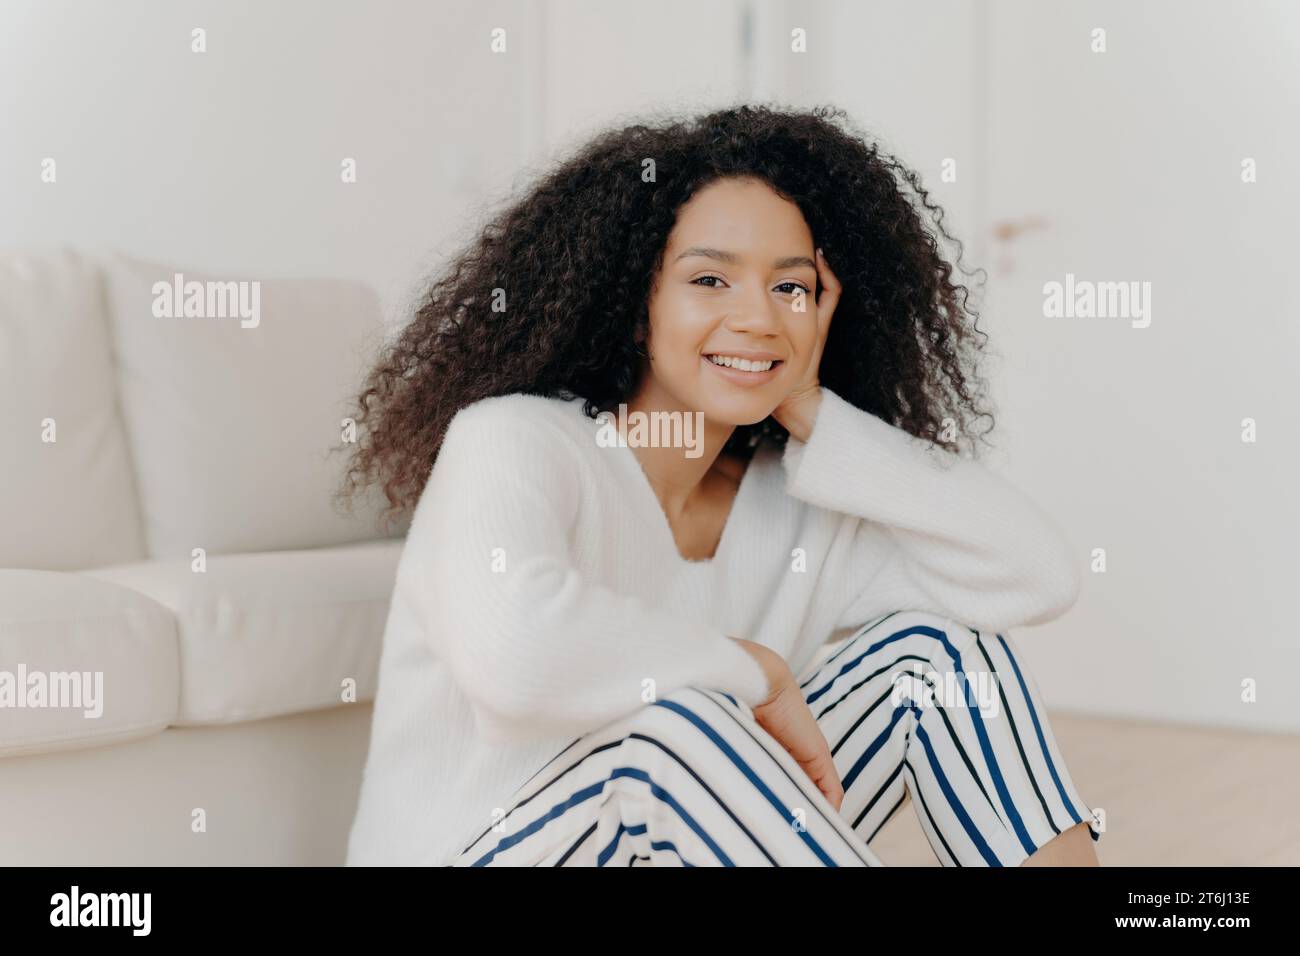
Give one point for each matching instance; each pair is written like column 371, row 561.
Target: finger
column 825, row 785
column 826, row 276
column 831, row 289
column 830, row 781
column 821, row 770
column 834, row 788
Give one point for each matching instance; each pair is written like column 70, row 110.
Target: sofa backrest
column 67, row 492
column 223, row 431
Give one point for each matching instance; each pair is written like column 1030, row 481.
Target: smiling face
column 725, row 304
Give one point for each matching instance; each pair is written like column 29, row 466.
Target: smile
column 742, row 371
column 745, row 365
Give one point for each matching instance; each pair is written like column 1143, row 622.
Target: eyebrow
column 787, row 262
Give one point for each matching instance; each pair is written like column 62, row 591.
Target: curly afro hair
column 577, row 256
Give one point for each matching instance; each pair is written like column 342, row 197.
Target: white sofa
column 167, row 529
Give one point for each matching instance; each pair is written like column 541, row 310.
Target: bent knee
column 928, row 634
column 687, row 718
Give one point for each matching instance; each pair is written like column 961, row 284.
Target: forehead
column 739, row 215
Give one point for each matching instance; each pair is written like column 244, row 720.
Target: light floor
column 1173, row 795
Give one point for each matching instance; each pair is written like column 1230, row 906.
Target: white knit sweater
column 540, row 592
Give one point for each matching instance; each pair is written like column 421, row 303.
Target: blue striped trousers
column 913, row 706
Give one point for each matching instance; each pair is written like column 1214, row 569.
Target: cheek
column 680, row 326
column 803, row 335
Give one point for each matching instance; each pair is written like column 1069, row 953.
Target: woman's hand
column 798, row 410
column 786, row 716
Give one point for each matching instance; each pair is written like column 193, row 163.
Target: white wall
column 230, row 160
column 1132, row 157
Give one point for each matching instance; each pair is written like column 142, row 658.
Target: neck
column 674, row 475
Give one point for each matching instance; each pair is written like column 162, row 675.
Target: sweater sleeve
column 938, row 532
column 538, row 649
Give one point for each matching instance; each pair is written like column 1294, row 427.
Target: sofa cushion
column 56, row 364
column 274, row 632
column 82, row 663
column 235, row 423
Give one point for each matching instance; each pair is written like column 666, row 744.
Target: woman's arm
column 539, row 649
column 956, row 538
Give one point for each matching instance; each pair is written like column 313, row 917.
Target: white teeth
column 744, row 365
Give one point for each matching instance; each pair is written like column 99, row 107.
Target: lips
column 739, row 376
column 746, row 363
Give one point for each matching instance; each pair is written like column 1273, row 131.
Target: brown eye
column 702, row 278
column 797, row 285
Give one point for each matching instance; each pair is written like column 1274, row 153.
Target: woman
column 611, row 652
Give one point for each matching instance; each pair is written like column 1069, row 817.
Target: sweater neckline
column 735, row 516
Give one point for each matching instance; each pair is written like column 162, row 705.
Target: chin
column 736, row 411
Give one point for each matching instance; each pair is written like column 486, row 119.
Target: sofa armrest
column 275, row 632
column 83, row 663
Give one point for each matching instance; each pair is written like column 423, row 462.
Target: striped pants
column 912, row 706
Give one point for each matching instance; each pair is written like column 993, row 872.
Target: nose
column 753, row 312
